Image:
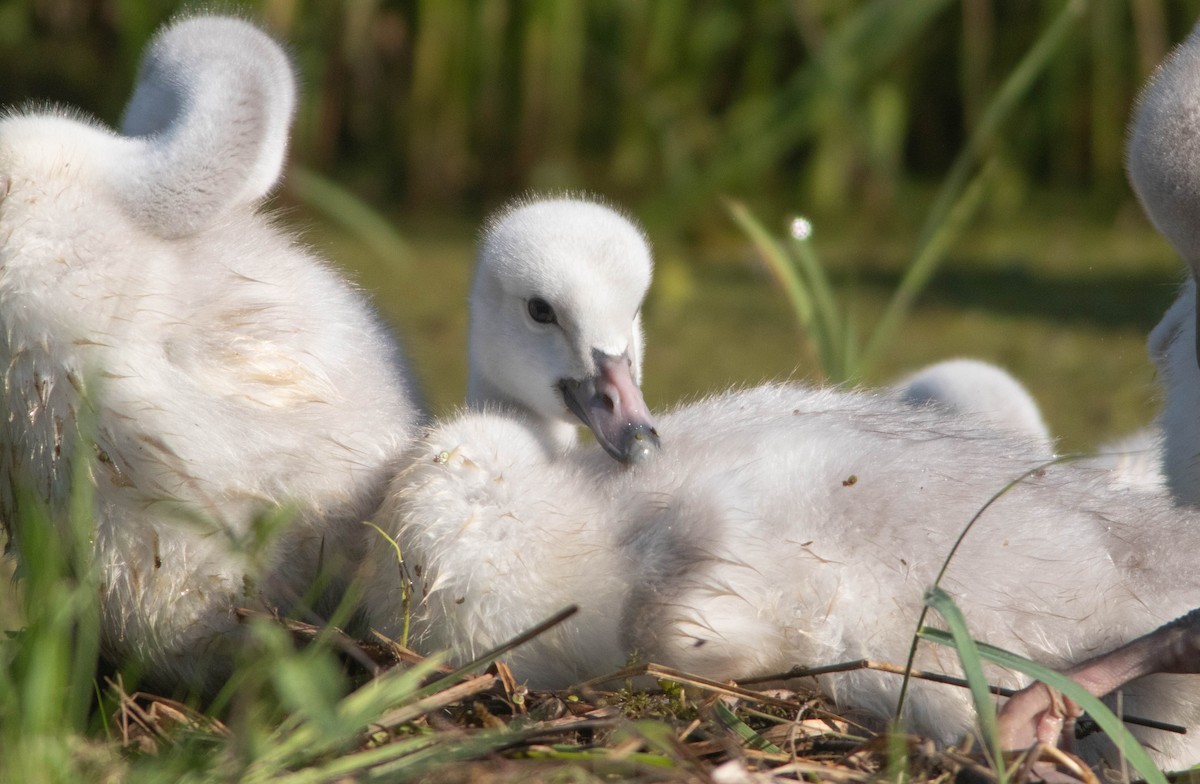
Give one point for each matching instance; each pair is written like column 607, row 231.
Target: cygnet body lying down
column 779, row 527
column 228, row 373
column 776, row 527
column 814, row 535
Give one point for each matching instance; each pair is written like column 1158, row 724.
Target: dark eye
column 541, row 311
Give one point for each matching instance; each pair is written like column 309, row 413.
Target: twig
column 401, row 654
column 937, row 677
column 447, row 696
column 307, row 632
column 675, row 676
column 500, row 650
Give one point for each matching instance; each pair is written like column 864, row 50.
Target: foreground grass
column 300, row 714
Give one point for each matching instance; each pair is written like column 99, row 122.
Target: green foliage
column 406, row 583
column 46, row 668
column 292, row 719
column 352, row 214
column 808, row 285
column 841, row 105
column 809, row 291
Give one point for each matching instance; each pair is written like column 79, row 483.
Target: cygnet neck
column 555, row 434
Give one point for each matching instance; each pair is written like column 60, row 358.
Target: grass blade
column 777, row 260
column 953, row 193
column 937, row 581
column 968, row 654
column 831, row 331
column 406, row 584
column 806, row 285
column 749, row 737
column 352, row 214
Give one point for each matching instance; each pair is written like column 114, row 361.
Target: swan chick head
column 1163, row 153
column 555, row 321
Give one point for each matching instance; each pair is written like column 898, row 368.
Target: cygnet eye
column 541, row 311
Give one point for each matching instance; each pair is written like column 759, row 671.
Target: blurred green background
column 849, row 112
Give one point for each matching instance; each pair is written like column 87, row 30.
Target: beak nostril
column 609, row 403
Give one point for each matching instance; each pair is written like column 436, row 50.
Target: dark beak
column 611, row 404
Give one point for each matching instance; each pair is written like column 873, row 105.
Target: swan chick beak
column 611, row 405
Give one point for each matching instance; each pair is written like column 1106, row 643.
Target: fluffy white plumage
column 1173, row 348
column 779, row 526
column 819, row 534
column 230, row 371
column 1134, row 461
column 498, row 534
column 782, row 527
column 989, row 394
column 980, row 389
